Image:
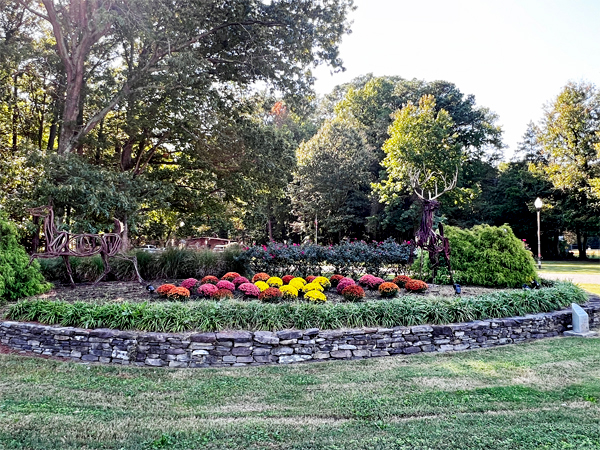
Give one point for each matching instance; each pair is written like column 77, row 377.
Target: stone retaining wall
column 240, row 348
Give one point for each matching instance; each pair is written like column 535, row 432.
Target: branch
column 33, row 11
column 60, row 39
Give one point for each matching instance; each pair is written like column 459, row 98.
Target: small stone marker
column 581, row 323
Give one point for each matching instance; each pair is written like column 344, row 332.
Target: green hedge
column 214, row 316
column 486, row 256
column 17, row 278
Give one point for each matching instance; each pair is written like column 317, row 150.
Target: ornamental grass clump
column 209, row 279
column 401, row 280
column 263, row 286
column 271, row 295
column 289, row 292
column 417, row 286
column 275, row 282
column 344, row 282
column 315, row 297
column 323, row 281
column 222, row 294
column 388, row 290
column 353, row 293
column 207, row 290
column 287, row 278
column 178, row 293
column 189, row 283
column 230, row 276
column 249, row 290
column 224, row 284
column 164, row 289
column 239, row 281
column 261, row 276
column 335, row 279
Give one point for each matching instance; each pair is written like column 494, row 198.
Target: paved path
column 574, row 277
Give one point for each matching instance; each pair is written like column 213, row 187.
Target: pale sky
column 514, row 56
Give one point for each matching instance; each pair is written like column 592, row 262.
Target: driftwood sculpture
column 436, row 244
column 64, row 244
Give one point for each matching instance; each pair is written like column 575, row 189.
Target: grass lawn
column 593, row 288
column 542, row 395
column 583, row 267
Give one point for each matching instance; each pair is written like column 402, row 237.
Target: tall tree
column 332, row 183
column 239, row 41
column 570, row 138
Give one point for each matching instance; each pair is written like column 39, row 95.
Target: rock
column 151, row 362
column 289, row 334
column 207, row 338
column 341, row 354
column 419, row 329
column 293, row 358
column 266, row 337
column 409, row 350
column 238, row 336
column 282, row 351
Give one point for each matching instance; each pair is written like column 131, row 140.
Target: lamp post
column 538, row 206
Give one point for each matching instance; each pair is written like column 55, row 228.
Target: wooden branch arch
column 64, row 244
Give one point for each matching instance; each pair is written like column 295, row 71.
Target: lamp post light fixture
column 538, row 206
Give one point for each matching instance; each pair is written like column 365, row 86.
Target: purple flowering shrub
column 348, row 257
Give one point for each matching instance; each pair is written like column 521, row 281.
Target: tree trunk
column 125, row 236
column 270, row 229
column 581, row 244
column 68, row 132
column 15, row 113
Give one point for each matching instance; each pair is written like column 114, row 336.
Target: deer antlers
column 415, row 175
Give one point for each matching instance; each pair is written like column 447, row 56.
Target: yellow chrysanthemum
column 261, row 285
column 289, row 292
column 315, row 296
column 312, row 287
column 275, row 282
column 297, row 283
column 323, row 281
column 298, row 280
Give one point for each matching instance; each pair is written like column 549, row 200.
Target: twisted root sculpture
column 436, row 244
column 64, row 244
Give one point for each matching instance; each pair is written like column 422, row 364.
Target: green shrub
column 485, row 256
column 172, row 263
column 17, row 278
column 255, row 315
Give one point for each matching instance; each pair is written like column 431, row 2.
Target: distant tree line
column 150, row 112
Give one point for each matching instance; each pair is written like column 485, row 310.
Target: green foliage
column 348, row 257
column 332, row 181
column 254, row 315
column 569, row 137
column 421, row 139
column 17, row 278
column 172, row 263
column 487, row 256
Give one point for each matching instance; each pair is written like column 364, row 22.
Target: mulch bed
column 113, row 291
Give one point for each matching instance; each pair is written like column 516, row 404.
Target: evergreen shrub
column 488, row 256
column 17, row 278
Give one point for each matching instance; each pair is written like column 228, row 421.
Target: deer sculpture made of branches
column 436, row 244
column 60, row 243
